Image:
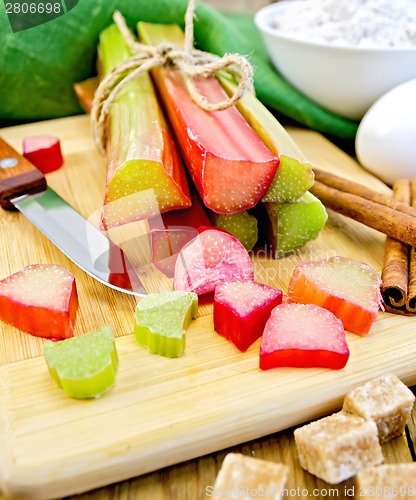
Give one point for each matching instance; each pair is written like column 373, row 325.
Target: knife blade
column 24, row 187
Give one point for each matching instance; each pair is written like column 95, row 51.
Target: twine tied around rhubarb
column 189, row 61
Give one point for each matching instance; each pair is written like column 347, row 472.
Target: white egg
column 386, row 138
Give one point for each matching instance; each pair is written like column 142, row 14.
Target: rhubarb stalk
column 230, row 165
column 294, row 175
column 145, row 175
column 242, row 225
column 292, row 225
column 85, row 91
column 171, row 231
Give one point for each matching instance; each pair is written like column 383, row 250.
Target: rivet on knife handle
column 17, row 175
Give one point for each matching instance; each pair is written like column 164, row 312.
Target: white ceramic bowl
column 346, row 80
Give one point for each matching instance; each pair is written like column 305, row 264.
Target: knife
column 24, row 187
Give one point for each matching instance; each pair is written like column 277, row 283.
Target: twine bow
column 189, row 61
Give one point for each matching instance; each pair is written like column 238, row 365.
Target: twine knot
column 189, row 61
column 164, row 50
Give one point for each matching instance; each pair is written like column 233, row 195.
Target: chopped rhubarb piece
column 292, row 225
column 242, row 225
column 145, row 175
column 229, row 164
column 85, row 366
column 348, row 288
column 294, row 175
column 44, row 151
column 211, row 258
column 161, row 321
column 171, row 231
column 241, row 310
column 41, row 300
column 304, row 336
column 85, row 91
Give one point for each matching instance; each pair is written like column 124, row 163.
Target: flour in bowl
column 362, row 23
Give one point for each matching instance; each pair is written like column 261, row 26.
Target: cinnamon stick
column 390, row 221
column 348, row 186
column 411, row 300
column 395, row 274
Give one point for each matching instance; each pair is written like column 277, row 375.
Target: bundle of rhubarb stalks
column 181, row 167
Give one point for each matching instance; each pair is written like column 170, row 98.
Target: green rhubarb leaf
column 84, row 366
column 161, row 321
column 241, row 225
column 294, row 176
column 292, row 225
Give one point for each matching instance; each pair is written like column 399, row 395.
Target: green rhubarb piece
column 292, row 179
column 85, row 366
column 242, row 225
column 294, row 175
column 145, row 175
column 161, row 321
column 292, row 225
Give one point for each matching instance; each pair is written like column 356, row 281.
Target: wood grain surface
column 167, row 411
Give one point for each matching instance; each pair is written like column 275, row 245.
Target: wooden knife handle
column 17, row 175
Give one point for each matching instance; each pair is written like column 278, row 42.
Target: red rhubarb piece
column 211, row 258
column 304, row 336
column 44, row 151
column 41, row 300
column 348, row 288
column 228, row 162
column 241, row 310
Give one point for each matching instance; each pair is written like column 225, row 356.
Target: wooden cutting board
column 164, row 411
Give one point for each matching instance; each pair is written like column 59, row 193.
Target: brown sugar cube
column 386, row 400
column 393, row 481
column 241, row 475
column 335, row 448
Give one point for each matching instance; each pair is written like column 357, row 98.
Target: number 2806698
column 33, row 8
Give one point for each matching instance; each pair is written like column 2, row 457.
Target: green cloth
column 244, row 23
